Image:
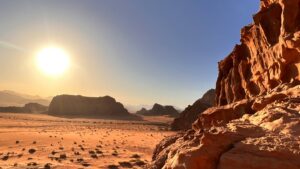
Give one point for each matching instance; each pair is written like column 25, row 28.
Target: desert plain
column 41, row 141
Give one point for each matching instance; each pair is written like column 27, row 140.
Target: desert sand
column 43, row 141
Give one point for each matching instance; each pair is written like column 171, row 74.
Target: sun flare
column 53, row 61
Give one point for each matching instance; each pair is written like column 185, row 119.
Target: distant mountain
column 134, row 108
column 27, row 108
column 158, row 110
column 11, row 98
column 91, row 107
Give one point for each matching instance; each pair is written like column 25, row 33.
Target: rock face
column 267, row 56
column 80, row 106
column 256, row 121
column 159, row 110
column 191, row 113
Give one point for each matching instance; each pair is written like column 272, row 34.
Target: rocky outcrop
column 267, row 56
column 223, row 137
column 80, row 106
column 27, row 108
column 191, row 113
column 256, row 121
column 159, row 110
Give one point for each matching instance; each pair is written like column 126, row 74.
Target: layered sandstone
column 256, row 123
column 191, row 113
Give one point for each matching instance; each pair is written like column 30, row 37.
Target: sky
column 139, row 52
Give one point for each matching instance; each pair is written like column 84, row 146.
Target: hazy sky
column 138, row 51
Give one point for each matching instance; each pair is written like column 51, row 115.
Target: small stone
column 31, row 151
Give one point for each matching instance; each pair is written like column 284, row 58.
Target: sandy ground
column 42, row 141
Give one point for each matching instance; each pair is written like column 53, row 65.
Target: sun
column 52, row 61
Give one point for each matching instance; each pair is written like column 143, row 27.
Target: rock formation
column 267, row 56
column 27, row 108
column 35, row 108
column 191, row 113
column 159, row 110
column 256, row 123
column 80, row 106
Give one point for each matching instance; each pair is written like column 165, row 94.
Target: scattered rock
column 31, row 151
column 112, row 167
column 125, row 164
column 115, row 153
column 63, row 156
column 32, row 164
column 19, row 155
column 135, row 156
column 47, row 166
column 139, row 163
column 85, row 164
column 5, row 157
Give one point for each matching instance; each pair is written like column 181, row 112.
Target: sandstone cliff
column 256, row 123
column 191, row 113
column 267, row 56
column 159, row 110
column 80, row 106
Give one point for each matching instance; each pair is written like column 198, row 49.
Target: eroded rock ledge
column 256, row 123
column 232, row 136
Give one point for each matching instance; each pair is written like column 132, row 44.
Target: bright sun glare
column 53, row 61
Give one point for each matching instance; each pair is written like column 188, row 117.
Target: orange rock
column 256, row 123
column 267, row 56
column 191, row 113
column 268, row 138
